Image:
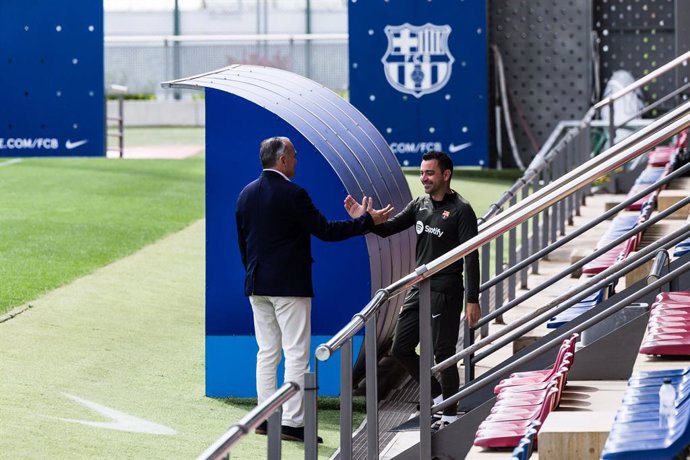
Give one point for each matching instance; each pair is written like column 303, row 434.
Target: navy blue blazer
column 275, row 220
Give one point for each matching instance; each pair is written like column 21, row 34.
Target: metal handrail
column 600, row 281
column 492, row 374
column 576, row 175
column 120, row 90
column 571, row 236
column 631, row 147
column 642, row 81
column 546, row 153
column 260, row 413
column 568, row 299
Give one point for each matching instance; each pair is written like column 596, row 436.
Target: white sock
column 448, row 418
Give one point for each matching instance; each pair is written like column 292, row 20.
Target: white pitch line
column 11, row 162
column 119, row 420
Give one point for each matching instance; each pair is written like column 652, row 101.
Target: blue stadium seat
column 638, row 432
column 576, row 310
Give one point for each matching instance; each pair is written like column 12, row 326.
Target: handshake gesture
column 355, row 209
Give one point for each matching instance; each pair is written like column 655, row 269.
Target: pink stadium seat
column 509, row 433
column 668, row 328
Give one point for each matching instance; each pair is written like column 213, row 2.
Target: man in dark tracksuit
column 443, row 220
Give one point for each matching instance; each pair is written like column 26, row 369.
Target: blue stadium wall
column 51, row 74
column 418, row 71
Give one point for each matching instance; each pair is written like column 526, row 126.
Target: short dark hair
column 271, row 149
column 444, row 161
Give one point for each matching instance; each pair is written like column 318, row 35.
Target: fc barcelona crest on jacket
column 417, row 60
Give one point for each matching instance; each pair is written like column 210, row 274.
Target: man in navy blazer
column 275, row 221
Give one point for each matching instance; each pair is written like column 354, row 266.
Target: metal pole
column 484, row 297
column 426, row 361
column 237, row 431
column 274, row 446
column 588, row 226
column 563, row 167
column 559, row 304
column 545, row 224
column 499, row 298
column 582, row 262
column 524, row 245
column 310, row 441
column 176, row 47
column 468, row 338
column 553, row 212
column 487, row 378
column 346, row 401
column 372, row 389
column 121, row 124
column 512, row 255
column 612, row 126
column 536, row 230
column 307, row 53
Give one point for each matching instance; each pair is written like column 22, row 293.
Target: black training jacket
column 440, row 226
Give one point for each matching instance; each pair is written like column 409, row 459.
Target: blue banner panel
column 231, row 366
column 51, row 73
column 418, row 71
column 234, row 129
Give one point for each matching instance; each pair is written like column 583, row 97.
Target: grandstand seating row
column 661, row 161
column 668, row 329
column 523, row 399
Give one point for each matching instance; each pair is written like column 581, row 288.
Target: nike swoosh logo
column 118, row 420
column 69, row 145
column 452, row 148
column 435, row 316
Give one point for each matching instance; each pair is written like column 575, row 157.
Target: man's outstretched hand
column 355, row 209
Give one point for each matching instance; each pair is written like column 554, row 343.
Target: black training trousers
column 446, row 308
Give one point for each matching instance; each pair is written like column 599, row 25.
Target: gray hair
column 271, row 149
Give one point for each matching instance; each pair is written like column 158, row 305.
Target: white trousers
column 282, row 324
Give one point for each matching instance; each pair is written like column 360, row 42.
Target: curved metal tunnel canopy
column 352, row 146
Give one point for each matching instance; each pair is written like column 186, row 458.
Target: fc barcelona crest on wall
column 418, row 60
column 418, row 72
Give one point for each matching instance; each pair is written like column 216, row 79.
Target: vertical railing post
column 512, row 255
column 577, row 161
column 534, row 247
column 121, row 124
column 372, row 389
column 468, row 339
column 310, row 444
column 524, row 245
column 346, row 401
column 546, row 220
column 553, row 211
column 586, row 154
column 612, row 126
column 561, row 204
column 498, row 269
column 484, row 297
column 569, row 166
column 273, row 432
column 426, row 362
